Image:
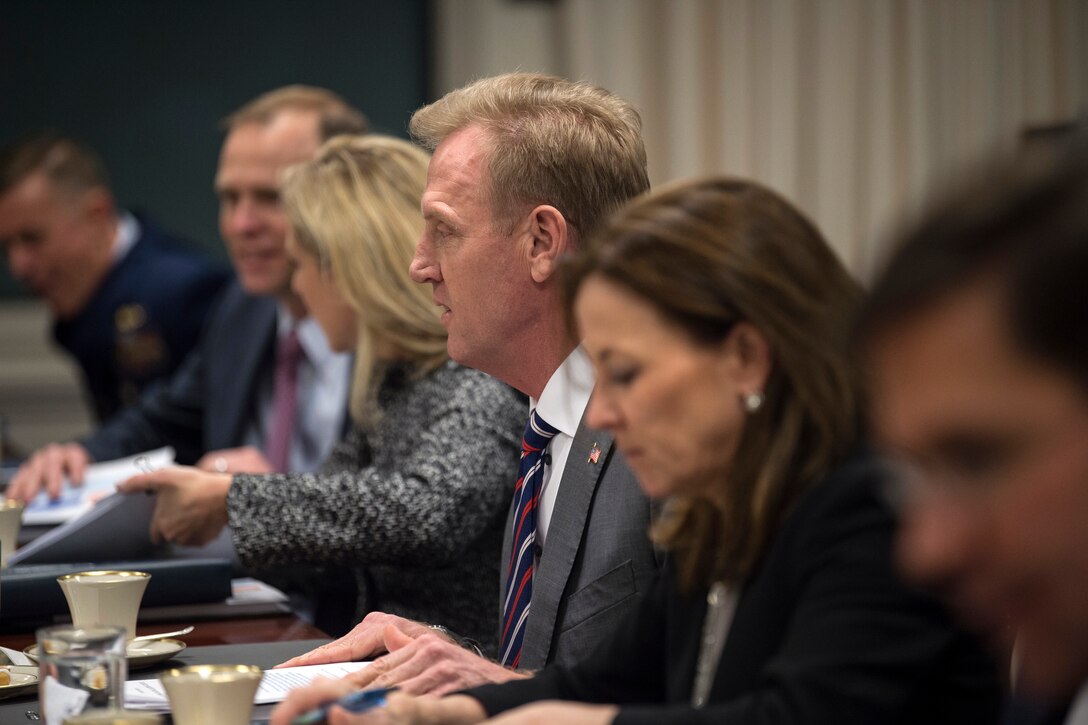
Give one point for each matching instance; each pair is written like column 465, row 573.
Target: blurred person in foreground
column 262, row 391
column 524, row 168
column 416, row 496
column 127, row 299
column 976, row 338
column 716, row 317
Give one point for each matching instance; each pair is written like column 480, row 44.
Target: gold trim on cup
column 8, row 503
column 214, row 673
column 103, row 572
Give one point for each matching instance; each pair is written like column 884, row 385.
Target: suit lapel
column 253, row 347
column 565, row 530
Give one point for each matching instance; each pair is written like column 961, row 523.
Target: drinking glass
column 81, row 669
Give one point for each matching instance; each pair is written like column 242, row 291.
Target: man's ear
column 550, row 239
column 97, row 204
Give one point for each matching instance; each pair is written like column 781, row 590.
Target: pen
column 360, row 701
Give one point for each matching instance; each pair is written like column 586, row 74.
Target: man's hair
column 68, row 164
column 552, row 141
column 1023, row 225
column 335, row 115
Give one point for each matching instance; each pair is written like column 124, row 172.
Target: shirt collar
column 310, row 337
column 128, row 231
column 563, row 400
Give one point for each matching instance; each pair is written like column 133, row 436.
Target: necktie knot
column 538, row 433
column 289, row 353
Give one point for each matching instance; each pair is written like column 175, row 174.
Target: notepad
column 150, row 694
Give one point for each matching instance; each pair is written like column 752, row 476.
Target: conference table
column 263, row 641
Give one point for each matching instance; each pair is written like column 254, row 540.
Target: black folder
column 31, row 591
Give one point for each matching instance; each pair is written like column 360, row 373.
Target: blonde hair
column 334, row 115
column 552, row 141
column 355, row 207
column 707, row 254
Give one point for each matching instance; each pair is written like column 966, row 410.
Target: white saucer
column 138, row 655
column 24, row 681
column 145, row 654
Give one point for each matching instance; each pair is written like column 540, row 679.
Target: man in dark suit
column 524, row 168
column 977, row 339
column 217, row 410
column 128, row 301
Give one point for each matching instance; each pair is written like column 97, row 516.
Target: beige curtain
column 855, row 109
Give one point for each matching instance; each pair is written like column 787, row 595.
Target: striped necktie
column 519, row 578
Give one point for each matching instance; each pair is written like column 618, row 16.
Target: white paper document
column 150, row 695
column 99, row 481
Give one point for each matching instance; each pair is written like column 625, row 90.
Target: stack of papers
column 150, row 694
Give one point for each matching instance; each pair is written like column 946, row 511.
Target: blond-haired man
column 525, row 166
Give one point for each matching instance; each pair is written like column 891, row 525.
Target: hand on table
column 246, row 459
column 400, row 709
column 365, row 641
column 192, row 505
column 46, row 469
column 430, row 664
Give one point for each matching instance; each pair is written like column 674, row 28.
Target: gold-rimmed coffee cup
column 11, row 521
column 207, row 694
column 106, row 597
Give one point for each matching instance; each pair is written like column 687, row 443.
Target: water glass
column 81, row 669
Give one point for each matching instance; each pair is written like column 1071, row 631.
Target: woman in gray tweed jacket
column 416, row 495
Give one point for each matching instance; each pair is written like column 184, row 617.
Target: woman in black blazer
column 716, row 317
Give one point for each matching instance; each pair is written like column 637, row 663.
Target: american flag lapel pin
column 594, row 453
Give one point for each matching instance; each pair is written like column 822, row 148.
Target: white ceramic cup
column 105, row 598
column 11, row 520
column 212, row 694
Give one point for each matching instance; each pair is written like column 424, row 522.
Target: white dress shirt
column 128, row 231
column 562, row 404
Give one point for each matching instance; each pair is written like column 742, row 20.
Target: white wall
column 855, row 109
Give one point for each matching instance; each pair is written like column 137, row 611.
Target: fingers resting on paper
column 430, row 664
column 365, row 641
column 46, row 470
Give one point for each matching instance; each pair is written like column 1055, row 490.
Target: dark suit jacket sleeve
column 205, row 403
column 171, row 414
column 824, row 633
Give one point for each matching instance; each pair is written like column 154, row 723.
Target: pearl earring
column 752, row 401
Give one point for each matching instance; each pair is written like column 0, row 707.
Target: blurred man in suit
column 525, row 166
column 128, row 301
column 225, row 408
column 977, row 341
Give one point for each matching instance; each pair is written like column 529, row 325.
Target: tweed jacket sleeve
column 427, row 481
